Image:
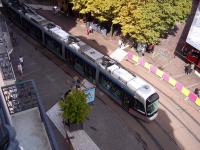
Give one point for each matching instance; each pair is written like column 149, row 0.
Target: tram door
column 126, row 101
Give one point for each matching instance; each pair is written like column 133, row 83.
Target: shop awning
column 193, row 37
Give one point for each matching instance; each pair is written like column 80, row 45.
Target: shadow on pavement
column 67, row 23
column 94, row 44
column 165, row 130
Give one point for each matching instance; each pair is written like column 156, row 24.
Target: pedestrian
column 90, row 29
column 54, row 10
column 197, row 92
column 191, row 68
column 120, row 43
column 150, row 48
column 187, row 68
column 21, row 61
column 20, row 69
column 142, row 51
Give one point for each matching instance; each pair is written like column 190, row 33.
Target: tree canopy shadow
column 94, row 44
column 65, row 22
column 171, row 31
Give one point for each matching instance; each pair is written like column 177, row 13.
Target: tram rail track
column 142, row 124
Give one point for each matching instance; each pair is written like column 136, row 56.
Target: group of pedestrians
column 20, row 65
column 189, row 68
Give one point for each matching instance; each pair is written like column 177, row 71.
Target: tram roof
column 193, row 37
column 134, row 83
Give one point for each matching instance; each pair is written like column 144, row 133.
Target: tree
column 74, row 107
column 146, row 21
column 142, row 20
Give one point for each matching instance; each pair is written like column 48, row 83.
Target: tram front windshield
column 152, row 104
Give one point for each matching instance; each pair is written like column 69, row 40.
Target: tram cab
column 133, row 93
column 146, row 100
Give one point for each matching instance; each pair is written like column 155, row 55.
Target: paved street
column 108, row 124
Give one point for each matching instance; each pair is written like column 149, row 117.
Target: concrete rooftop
column 30, row 130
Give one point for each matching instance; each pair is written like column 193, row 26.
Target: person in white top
column 120, row 43
column 21, row 60
column 20, row 68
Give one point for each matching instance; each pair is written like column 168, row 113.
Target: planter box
column 74, row 127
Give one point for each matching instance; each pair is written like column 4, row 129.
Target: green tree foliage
column 74, row 107
column 79, row 5
column 143, row 20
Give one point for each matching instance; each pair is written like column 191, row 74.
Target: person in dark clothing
column 187, row 68
column 191, row 68
column 150, row 48
column 197, row 92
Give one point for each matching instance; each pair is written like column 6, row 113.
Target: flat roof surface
column 82, row 141
column 30, row 130
column 193, row 37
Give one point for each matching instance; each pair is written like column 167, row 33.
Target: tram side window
column 36, row 32
column 128, row 99
column 139, row 106
column 15, row 16
column 53, row 45
column 32, row 29
column 25, row 24
column 113, row 88
column 79, row 65
column 104, row 82
column 90, row 72
column 69, row 57
column 116, row 91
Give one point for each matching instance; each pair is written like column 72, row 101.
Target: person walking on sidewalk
column 197, row 92
column 187, row 68
column 191, row 68
column 21, row 61
column 90, row 29
column 20, row 69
